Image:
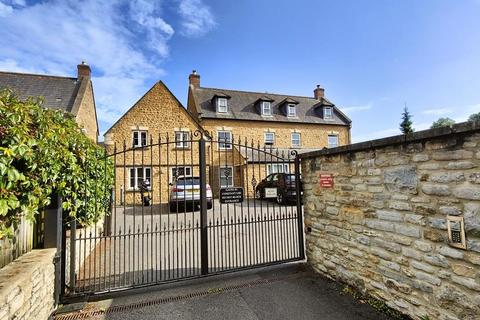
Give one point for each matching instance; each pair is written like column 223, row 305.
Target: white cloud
column 438, row 111
column 124, row 41
column 197, row 18
column 356, row 108
column 5, row 9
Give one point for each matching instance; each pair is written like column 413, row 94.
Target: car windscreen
column 188, row 181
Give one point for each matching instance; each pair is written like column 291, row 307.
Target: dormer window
column 291, row 110
column 266, row 108
column 222, row 106
column 328, row 113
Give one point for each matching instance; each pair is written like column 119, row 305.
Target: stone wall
column 382, row 227
column 27, row 286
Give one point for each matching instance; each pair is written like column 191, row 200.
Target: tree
column 406, row 124
column 443, row 122
column 43, row 152
column 474, row 117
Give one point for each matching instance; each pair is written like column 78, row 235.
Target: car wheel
column 280, row 199
column 258, row 194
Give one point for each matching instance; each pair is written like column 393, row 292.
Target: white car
column 186, row 191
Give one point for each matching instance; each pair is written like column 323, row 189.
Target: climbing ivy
column 43, row 152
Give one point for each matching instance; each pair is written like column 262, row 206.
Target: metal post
column 59, row 259
column 73, row 237
column 203, row 206
column 301, row 246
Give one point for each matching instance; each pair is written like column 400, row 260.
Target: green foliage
column 406, row 124
column 474, row 117
column 443, row 122
column 43, row 151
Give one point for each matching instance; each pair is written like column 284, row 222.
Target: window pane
column 132, row 178
column 223, row 138
column 332, row 141
column 135, row 138
column 144, row 138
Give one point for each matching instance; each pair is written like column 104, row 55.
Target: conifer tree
column 406, row 126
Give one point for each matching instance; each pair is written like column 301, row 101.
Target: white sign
column 270, row 192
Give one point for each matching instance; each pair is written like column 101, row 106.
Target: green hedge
column 43, row 151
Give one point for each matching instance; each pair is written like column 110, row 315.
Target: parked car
column 284, row 183
column 186, row 191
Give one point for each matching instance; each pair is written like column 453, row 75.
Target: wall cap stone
column 456, row 129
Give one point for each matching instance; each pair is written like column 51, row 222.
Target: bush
column 443, row 122
column 474, row 117
column 42, row 152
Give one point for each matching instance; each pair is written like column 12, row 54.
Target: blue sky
column 371, row 56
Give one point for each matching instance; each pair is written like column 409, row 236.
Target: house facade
column 154, row 140
column 71, row 94
column 278, row 123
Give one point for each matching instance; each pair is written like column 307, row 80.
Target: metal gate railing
column 167, row 221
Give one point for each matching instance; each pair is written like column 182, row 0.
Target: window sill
column 136, row 190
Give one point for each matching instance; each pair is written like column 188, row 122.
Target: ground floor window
column 226, row 177
column 180, row 171
column 139, row 175
column 277, row 168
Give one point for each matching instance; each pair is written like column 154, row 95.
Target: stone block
column 460, row 165
column 393, row 247
column 436, row 260
column 379, row 225
column 415, row 219
column 422, row 246
column 450, row 252
column 398, row 205
column 472, row 219
column 450, row 211
column 466, row 282
column 467, row 192
column 452, row 155
column 428, row 278
column 438, row 223
column 464, row 270
column 435, row 235
column 436, row 189
column 389, row 215
column 446, row 177
column 423, row 267
column 474, row 177
column 407, row 230
column 403, row 179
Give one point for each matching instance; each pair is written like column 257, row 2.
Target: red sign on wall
column 326, row 180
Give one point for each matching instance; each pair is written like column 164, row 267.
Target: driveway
column 151, row 245
column 286, row 292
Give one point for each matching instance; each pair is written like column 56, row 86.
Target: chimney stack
column 319, row 92
column 83, row 70
column 194, row 79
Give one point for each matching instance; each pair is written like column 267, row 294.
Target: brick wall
column 382, row 227
column 27, row 286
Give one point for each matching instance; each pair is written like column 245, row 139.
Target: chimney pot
column 83, row 70
column 194, row 79
column 319, row 92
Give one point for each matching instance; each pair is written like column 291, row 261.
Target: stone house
column 140, row 138
column 152, row 140
column 277, row 122
column 70, row 94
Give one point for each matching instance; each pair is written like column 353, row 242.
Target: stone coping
column 459, row 128
column 23, row 269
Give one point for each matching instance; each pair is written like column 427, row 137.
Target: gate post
column 203, row 206
column 55, row 238
column 301, row 246
column 73, row 236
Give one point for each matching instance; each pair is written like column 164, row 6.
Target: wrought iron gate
column 167, row 222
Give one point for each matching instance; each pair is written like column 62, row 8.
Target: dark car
column 283, row 183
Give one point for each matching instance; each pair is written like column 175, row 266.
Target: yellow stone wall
column 160, row 113
column 313, row 136
column 86, row 116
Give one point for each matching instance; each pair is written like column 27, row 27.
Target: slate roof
column 58, row 92
column 271, row 155
column 242, row 106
